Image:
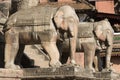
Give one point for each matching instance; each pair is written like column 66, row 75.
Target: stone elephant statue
column 105, row 33
column 43, row 25
column 88, row 36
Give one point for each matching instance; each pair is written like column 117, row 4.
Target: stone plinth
column 62, row 73
column 10, row 74
column 107, row 75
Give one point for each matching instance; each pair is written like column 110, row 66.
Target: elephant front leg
column 108, row 58
column 72, row 50
column 109, row 45
column 53, row 53
column 11, row 49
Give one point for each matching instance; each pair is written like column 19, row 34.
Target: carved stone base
column 62, row 73
column 10, row 74
column 107, row 75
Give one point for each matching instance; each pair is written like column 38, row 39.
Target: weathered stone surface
column 5, row 7
column 107, row 75
column 44, row 12
column 66, row 72
column 55, row 73
column 25, row 4
column 35, row 53
column 85, row 30
column 10, row 74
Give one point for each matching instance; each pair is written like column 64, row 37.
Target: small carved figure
column 5, row 6
column 40, row 25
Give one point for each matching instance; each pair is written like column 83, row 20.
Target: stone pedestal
column 62, row 73
column 10, row 74
column 107, row 75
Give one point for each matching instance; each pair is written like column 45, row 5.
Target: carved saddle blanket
column 39, row 16
column 33, row 22
column 85, row 30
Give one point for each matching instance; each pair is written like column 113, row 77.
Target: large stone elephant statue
column 88, row 35
column 43, row 25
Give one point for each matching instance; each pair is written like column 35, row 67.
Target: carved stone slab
column 107, row 75
column 57, row 73
column 85, row 30
column 10, row 74
column 41, row 15
column 62, row 73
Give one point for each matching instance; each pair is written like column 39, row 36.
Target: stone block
column 107, row 75
column 57, row 73
column 10, row 74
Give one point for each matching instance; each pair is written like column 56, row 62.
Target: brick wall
column 79, row 58
column 43, row 1
column 65, row 0
column 105, row 6
column 115, row 60
column 116, row 63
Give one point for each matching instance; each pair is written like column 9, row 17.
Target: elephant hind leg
column 53, row 53
column 89, row 53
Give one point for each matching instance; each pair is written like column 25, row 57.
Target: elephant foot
column 108, row 70
column 57, row 64
column 93, row 70
column 12, row 66
column 96, row 70
column 73, row 62
column 90, row 70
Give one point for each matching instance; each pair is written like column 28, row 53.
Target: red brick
column 43, row 1
column 79, row 58
column 105, row 6
column 116, row 63
column 65, row 0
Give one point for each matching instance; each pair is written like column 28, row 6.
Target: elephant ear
column 58, row 18
column 99, row 32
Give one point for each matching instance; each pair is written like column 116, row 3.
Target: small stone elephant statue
column 89, row 34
